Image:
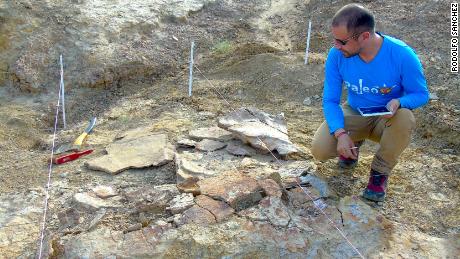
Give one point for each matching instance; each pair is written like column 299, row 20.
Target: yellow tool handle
column 79, row 141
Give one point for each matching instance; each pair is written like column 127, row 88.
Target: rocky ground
column 204, row 193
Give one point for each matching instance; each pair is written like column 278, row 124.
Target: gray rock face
column 261, row 130
column 135, row 152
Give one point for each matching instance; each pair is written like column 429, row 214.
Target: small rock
column 434, row 96
column 439, row 197
column 207, row 145
column 271, row 188
column 307, row 101
column 104, row 192
column 189, row 186
column 219, row 209
column 132, row 228
column 97, row 218
column 188, row 143
column 319, row 184
column 196, row 215
column 180, row 203
column 188, row 165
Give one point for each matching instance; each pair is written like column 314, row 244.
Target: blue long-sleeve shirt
column 394, row 73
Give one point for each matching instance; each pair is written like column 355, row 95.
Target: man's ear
column 366, row 35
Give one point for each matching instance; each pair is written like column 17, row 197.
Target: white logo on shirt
column 365, row 89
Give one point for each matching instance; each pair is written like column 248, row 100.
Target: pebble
column 307, row 101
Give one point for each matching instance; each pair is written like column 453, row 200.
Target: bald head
column 355, row 18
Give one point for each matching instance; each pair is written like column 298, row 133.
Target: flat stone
column 208, row 145
column 88, row 201
column 438, row 197
column 153, row 199
column 236, row 189
column 104, row 191
column 237, row 148
column 319, row 184
column 180, row 203
column 276, row 212
column 186, row 143
column 195, row 215
column 189, row 186
column 270, row 187
column 96, row 219
column 261, row 130
column 213, row 133
column 144, row 151
column 188, row 165
column 219, row 209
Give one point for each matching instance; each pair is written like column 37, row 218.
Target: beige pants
column 393, row 134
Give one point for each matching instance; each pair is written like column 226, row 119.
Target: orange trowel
column 76, row 146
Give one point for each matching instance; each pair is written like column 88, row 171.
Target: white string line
column 45, row 209
column 297, row 181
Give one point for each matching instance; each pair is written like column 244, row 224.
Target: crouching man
column 376, row 70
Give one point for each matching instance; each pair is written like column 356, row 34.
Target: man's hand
column 392, row 106
column 346, row 147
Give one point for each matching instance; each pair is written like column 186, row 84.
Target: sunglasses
column 345, row 41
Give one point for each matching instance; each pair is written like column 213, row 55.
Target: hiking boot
column 375, row 190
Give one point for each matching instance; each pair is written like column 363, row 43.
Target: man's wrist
column 339, row 133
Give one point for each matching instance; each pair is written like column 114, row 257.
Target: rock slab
column 152, row 199
column 219, row 209
column 139, row 152
column 261, row 130
column 209, row 145
column 213, row 133
column 236, row 189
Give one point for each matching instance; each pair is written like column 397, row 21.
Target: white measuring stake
column 308, row 42
column 62, row 91
column 190, row 79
